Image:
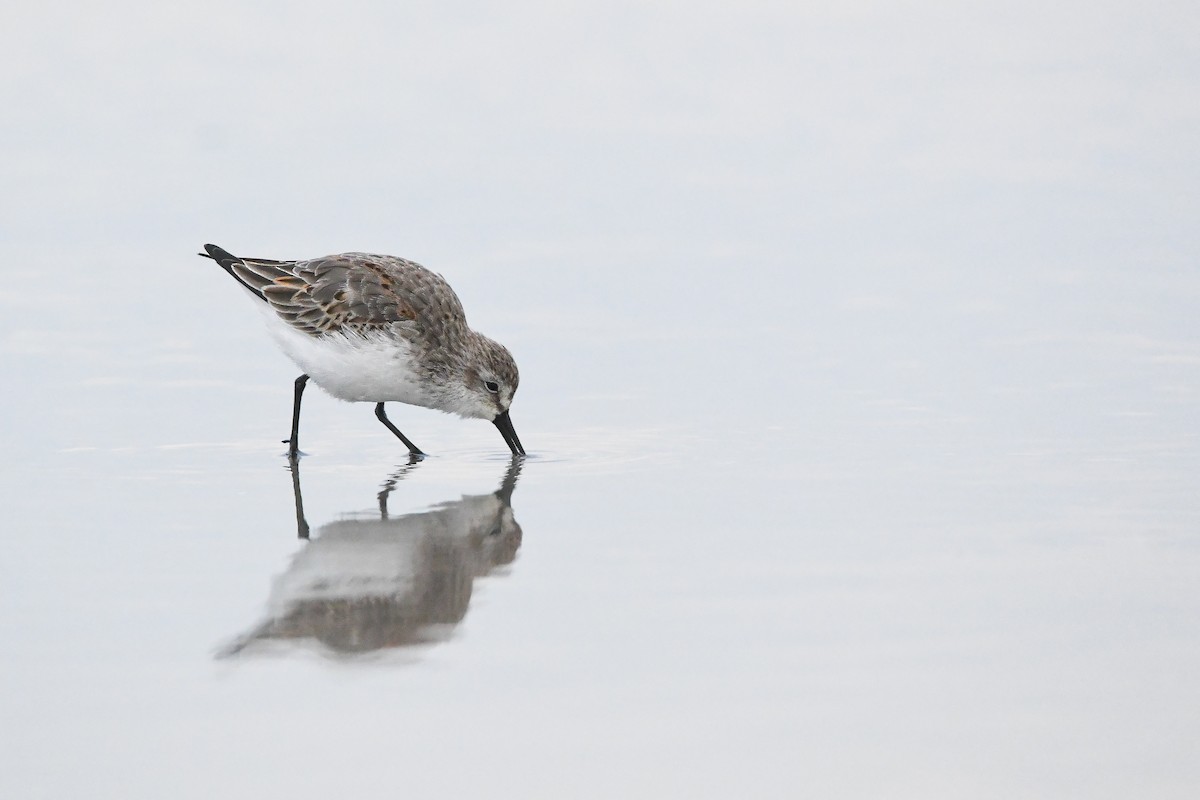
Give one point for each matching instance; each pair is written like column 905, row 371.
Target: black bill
column 505, row 426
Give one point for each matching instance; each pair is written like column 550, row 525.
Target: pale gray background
column 860, row 368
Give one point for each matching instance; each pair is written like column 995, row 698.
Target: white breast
column 374, row 368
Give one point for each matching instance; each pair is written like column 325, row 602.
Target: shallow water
column 863, row 432
column 710, row 606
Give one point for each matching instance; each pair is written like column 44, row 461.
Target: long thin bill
column 505, row 426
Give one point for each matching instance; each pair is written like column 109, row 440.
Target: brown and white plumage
column 375, row 328
column 354, row 291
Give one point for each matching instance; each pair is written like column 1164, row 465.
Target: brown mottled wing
column 353, row 292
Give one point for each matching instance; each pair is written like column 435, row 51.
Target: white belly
column 372, row 369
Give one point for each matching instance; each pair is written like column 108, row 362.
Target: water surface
column 860, row 374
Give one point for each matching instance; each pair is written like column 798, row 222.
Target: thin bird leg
column 293, row 443
column 301, row 521
column 412, row 448
column 393, row 479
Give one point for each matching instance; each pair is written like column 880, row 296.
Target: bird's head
column 489, row 381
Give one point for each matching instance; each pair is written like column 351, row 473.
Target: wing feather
column 351, row 292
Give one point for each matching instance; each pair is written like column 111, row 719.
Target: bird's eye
column 491, row 386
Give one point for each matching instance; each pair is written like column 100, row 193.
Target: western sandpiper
column 377, row 329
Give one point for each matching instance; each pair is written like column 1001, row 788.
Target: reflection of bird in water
column 362, row 585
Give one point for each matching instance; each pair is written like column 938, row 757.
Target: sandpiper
column 377, row 329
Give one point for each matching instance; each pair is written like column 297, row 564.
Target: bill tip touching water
column 379, row 329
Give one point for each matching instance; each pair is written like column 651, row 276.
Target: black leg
column 412, row 448
column 301, row 521
column 294, row 442
column 393, row 479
